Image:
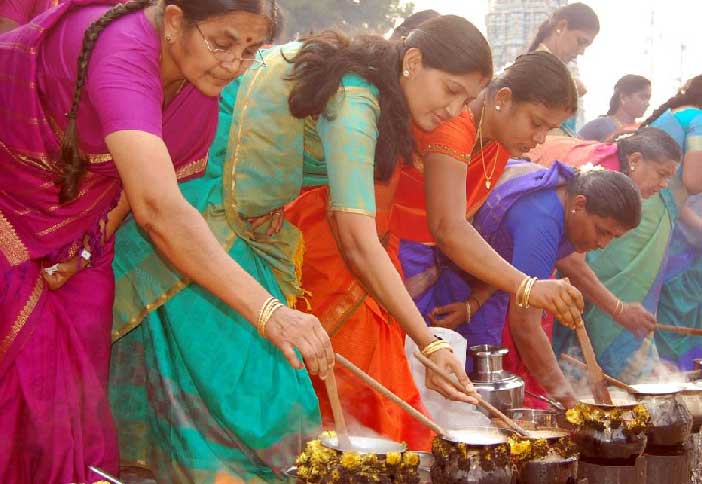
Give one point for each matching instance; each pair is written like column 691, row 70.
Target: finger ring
column 51, row 270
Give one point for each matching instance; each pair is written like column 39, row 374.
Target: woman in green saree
column 197, row 394
column 633, row 268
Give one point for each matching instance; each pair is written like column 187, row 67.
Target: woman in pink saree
column 133, row 107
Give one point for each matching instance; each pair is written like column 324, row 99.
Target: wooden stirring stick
column 342, row 433
column 613, row 381
column 368, row 380
column 679, row 329
column 481, row 401
column 595, row 376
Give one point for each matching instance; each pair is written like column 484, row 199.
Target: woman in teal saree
column 198, row 395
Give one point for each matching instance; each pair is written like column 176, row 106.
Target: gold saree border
column 23, row 315
column 163, row 298
column 11, row 245
column 70, row 220
column 192, row 168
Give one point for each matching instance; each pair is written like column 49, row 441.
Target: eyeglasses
column 226, row 55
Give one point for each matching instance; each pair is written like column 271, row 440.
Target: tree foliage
column 350, row 16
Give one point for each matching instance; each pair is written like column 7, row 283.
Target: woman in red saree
column 153, row 78
column 361, row 329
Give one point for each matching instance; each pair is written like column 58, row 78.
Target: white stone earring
column 498, row 108
column 406, row 73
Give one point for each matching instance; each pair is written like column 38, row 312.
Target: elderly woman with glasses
column 96, row 102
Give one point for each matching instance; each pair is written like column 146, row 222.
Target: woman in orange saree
column 360, row 328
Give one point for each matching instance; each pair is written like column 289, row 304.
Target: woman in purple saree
column 150, row 83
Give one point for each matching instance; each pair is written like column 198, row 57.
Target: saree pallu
column 575, row 152
column 431, row 278
column 54, row 345
column 360, row 329
column 631, row 268
column 241, row 412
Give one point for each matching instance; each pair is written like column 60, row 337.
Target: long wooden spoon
column 339, row 422
column 595, row 376
column 613, row 381
column 494, row 411
column 679, row 329
column 377, row 386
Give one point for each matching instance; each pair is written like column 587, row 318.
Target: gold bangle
column 263, row 310
column 269, row 313
column 442, row 345
column 264, row 314
column 527, row 291
column 519, row 295
column 469, row 310
column 620, row 308
column 436, row 345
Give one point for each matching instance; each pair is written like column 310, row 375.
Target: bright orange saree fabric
column 455, row 138
column 360, row 329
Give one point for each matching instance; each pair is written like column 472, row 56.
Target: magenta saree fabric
column 54, row 345
column 22, row 11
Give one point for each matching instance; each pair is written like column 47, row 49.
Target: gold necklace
column 488, row 178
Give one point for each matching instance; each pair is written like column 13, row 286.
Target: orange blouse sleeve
column 454, row 138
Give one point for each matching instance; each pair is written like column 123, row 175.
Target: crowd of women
column 192, row 224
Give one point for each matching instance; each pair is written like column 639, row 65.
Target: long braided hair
column 690, row 95
column 448, row 43
column 72, row 163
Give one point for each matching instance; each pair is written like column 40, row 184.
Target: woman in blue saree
column 534, row 217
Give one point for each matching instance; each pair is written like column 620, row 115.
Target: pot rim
column 365, row 445
column 499, row 436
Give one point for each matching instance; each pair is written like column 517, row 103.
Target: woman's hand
column 446, row 360
column 58, row 274
column 289, row 329
column 277, row 217
column 636, row 320
column 560, row 298
column 450, row 316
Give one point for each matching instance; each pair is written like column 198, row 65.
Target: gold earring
column 169, row 38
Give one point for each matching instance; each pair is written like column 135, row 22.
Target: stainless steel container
column 501, row 388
